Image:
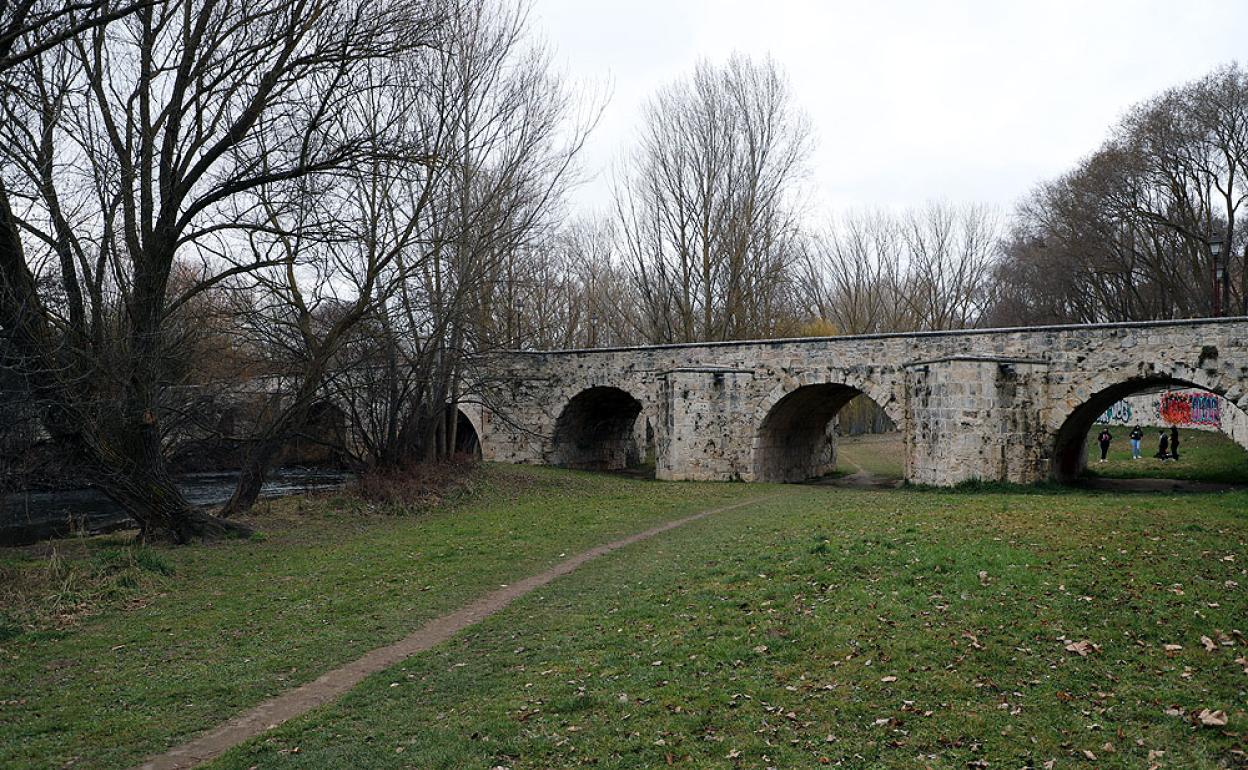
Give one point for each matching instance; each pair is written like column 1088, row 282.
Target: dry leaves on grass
column 1211, row 718
column 1083, row 648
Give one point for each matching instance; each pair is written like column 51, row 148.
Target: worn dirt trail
column 331, row 685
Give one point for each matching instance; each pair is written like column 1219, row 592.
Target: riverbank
column 28, row 517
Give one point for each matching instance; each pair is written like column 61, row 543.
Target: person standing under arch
column 1137, row 435
column 1174, row 442
column 1103, row 439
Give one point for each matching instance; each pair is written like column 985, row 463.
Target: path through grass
column 836, row 627
column 168, row 655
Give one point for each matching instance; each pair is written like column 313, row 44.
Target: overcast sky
column 911, row 101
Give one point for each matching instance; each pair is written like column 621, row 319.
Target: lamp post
column 1219, row 275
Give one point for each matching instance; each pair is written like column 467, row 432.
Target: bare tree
column 706, row 203
column 1125, row 234
column 512, row 129
column 921, row 269
column 131, row 146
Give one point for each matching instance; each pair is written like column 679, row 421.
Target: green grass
column 109, row 652
column 880, row 454
column 1203, row 456
column 769, row 636
column 759, row 637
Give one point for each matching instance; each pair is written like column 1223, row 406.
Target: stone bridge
column 1000, row 404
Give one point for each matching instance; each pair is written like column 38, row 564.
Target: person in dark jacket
column 1137, row 435
column 1163, row 444
column 1104, row 440
column 1174, row 442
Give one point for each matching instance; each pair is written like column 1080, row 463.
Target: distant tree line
column 1125, row 234
column 709, row 237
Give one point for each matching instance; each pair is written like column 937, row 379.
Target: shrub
column 417, row 484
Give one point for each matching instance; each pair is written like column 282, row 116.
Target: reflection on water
column 27, row 517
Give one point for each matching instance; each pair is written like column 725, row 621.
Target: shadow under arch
column 597, row 431
column 467, row 439
column 1070, row 443
column 796, row 439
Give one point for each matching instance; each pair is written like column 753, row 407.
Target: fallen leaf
column 1210, row 645
column 1083, row 648
column 1212, row 718
column 887, row 679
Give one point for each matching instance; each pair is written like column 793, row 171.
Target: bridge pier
column 700, row 436
column 972, row 418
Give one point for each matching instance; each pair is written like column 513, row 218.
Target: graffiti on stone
column 1119, row 413
column 1188, row 408
column 1184, row 408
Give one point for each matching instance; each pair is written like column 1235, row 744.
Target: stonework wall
column 1009, row 405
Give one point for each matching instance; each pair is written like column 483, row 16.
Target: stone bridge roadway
column 999, row 404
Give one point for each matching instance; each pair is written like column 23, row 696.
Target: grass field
column 105, row 659
column 880, row 454
column 1203, row 456
column 866, row 628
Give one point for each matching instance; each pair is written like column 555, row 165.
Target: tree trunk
column 148, row 493
column 138, row 480
column 252, row 475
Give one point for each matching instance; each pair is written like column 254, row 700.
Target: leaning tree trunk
column 123, row 461
column 251, row 477
column 266, row 447
column 127, row 463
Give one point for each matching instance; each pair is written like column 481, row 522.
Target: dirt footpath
column 331, row 685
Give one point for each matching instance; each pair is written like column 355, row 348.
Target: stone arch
column 467, row 433
column 794, row 441
column 1069, row 425
column 597, row 430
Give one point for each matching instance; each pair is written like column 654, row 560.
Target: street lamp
column 1219, row 274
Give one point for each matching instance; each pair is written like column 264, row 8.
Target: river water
column 28, row 517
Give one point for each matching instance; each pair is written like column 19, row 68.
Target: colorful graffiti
column 1178, row 407
column 1118, row 413
column 1185, row 408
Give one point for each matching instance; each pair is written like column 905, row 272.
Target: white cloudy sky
column 968, row 100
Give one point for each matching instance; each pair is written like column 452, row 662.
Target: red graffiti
column 1190, row 409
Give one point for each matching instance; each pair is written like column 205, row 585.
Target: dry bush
column 418, row 484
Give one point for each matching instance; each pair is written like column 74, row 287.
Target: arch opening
column 797, row 440
column 467, row 442
column 1155, row 404
column 597, row 430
